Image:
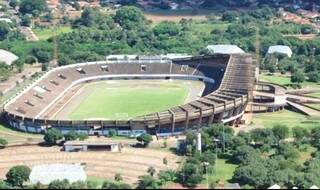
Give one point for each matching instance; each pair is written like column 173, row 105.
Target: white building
column 280, row 49
column 7, row 20
column 78, row 146
column 45, row 174
column 223, row 49
column 275, row 186
column 7, row 57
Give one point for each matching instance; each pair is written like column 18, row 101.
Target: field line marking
column 64, row 105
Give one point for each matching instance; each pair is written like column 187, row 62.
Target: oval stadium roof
column 223, row 49
column 7, row 57
column 45, row 174
column 286, row 50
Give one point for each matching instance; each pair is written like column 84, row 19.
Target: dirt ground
column 130, row 163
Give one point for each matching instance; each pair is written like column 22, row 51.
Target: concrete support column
column 200, row 119
column 187, row 120
column 219, row 117
column 172, row 121
column 211, row 118
column 159, row 127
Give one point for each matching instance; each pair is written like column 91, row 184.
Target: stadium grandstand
column 229, row 81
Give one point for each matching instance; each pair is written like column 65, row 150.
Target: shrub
column 145, row 139
column 52, row 136
column 3, row 142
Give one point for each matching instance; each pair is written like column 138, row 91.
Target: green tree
column 167, row 28
column 313, row 76
column 307, row 180
column 13, row 3
column 59, row 184
column 191, row 172
column 41, row 55
column 4, row 30
column 263, row 136
column 299, row 134
column 52, row 136
column 288, row 151
column 129, row 17
column 297, row 77
column 87, row 17
column 244, row 154
column 71, row 136
column 17, row 175
column 147, row 182
column 145, row 139
column 25, row 20
column 33, row 7
column 167, row 176
column 315, row 137
column 281, row 132
column 230, row 16
column 306, row 29
column 254, row 174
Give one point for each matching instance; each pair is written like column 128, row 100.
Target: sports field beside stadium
column 124, row 99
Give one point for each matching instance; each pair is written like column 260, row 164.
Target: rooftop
column 45, row 174
column 223, row 49
column 7, row 57
column 280, row 49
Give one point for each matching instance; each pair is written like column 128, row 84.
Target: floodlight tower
column 54, row 62
column 199, row 147
column 55, row 47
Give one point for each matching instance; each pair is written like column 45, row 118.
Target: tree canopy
column 34, row 7
column 17, row 175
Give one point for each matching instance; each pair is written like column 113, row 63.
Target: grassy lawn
column 289, row 118
column 122, row 101
column 285, row 81
column 46, row 33
column 314, row 94
column 13, row 136
column 224, row 172
column 316, row 106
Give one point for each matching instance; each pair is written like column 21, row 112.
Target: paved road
column 30, row 36
column 304, row 109
column 302, row 98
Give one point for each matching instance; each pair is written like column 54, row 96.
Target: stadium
column 95, row 97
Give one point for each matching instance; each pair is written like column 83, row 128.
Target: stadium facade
column 229, row 82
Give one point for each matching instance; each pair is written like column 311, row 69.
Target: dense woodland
column 264, row 156
column 95, row 35
column 127, row 31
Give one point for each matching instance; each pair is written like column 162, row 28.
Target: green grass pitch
column 122, row 101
